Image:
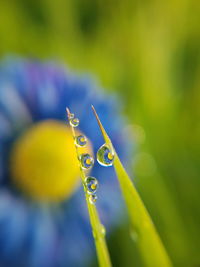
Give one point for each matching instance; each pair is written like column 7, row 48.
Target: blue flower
column 38, row 226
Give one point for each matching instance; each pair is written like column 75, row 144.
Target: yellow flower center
column 44, row 162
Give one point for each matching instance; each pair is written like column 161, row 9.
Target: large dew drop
column 91, row 184
column 80, row 140
column 74, row 122
column 86, row 161
column 93, row 199
column 105, row 156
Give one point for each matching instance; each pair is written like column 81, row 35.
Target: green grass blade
column 147, row 239
column 98, row 230
column 99, row 236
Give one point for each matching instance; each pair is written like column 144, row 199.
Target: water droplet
column 93, row 199
column 134, row 235
column 74, row 122
column 105, row 156
column 80, row 140
column 103, row 230
column 71, row 116
column 86, row 161
column 91, row 184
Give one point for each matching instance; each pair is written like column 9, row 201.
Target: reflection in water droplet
column 86, row 161
column 80, row 140
column 105, row 156
column 74, row 122
column 93, row 199
column 91, row 184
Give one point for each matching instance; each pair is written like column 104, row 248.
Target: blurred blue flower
column 43, row 233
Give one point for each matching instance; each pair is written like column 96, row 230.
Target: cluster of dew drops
column 105, row 157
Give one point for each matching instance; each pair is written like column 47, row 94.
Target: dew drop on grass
column 105, row 156
column 74, row 122
column 103, row 230
column 134, row 235
column 80, row 140
column 91, row 184
column 86, row 161
column 93, row 199
column 71, row 116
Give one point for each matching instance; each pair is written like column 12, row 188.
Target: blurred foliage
column 149, row 52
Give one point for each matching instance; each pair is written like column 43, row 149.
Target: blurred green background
column 148, row 52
